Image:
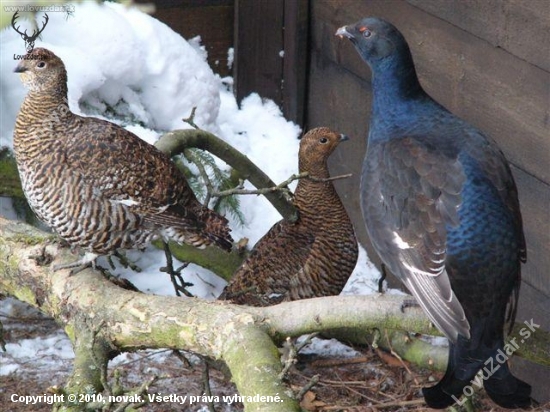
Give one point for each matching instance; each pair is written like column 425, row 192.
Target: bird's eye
column 365, row 32
column 41, row 65
column 323, row 140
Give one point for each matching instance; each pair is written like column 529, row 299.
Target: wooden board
column 506, row 97
column 519, row 27
column 340, row 96
column 212, row 21
column 533, row 305
column 258, row 44
column 295, row 60
column 271, row 52
column 534, row 198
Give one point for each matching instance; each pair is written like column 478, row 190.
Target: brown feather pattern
column 99, row 186
column 314, row 256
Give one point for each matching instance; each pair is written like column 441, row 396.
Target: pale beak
column 343, row 32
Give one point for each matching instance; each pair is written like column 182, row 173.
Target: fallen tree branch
column 100, row 316
column 126, row 321
column 177, row 141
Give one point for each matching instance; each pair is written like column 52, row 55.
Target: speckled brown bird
column 312, row 257
column 100, row 187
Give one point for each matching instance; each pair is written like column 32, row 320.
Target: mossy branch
column 175, row 142
column 212, row 258
column 102, row 317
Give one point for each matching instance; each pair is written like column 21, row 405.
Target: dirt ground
column 373, row 381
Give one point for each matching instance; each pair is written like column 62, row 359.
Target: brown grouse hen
column 312, row 257
column 100, row 187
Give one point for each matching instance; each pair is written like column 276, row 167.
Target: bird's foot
column 180, row 285
column 382, row 279
column 409, row 303
column 88, row 260
column 124, row 261
column 42, row 258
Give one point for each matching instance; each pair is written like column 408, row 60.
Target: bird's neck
column 396, row 89
column 315, row 191
column 42, row 114
column 49, row 99
column 313, row 167
column 45, row 105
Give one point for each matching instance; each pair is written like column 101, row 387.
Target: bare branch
column 191, row 119
column 100, row 315
column 177, row 141
column 281, row 187
column 330, row 179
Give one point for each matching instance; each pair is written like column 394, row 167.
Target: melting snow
column 120, row 59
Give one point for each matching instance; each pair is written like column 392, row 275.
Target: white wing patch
column 127, row 202
column 398, row 240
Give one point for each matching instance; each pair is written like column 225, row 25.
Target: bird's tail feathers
column 217, row 229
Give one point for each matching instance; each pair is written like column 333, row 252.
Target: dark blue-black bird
column 442, row 211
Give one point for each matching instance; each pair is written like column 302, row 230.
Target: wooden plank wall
column 258, row 44
column 212, row 20
column 271, row 52
column 488, row 61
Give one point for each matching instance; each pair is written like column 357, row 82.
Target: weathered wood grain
column 213, row 21
column 519, row 27
column 258, row 43
column 508, row 98
column 340, row 97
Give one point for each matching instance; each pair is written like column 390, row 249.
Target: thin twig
column 329, row 179
column 312, row 382
column 289, row 358
column 206, row 383
column 346, row 385
column 191, row 119
column 187, row 363
column 400, row 403
column 281, row 187
column 140, row 390
column 395, row 354
column 337, row 362
column 180, row 285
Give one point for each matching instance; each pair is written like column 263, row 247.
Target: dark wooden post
column 295, row 62
column 271, row 52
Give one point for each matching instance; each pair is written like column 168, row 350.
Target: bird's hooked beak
column 343, row 32
column 343, row 138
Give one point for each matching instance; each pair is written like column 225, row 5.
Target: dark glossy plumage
column 441, row 209
column 97, row 185
column 312, row 257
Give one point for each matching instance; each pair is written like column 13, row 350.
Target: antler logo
column 29, row 40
